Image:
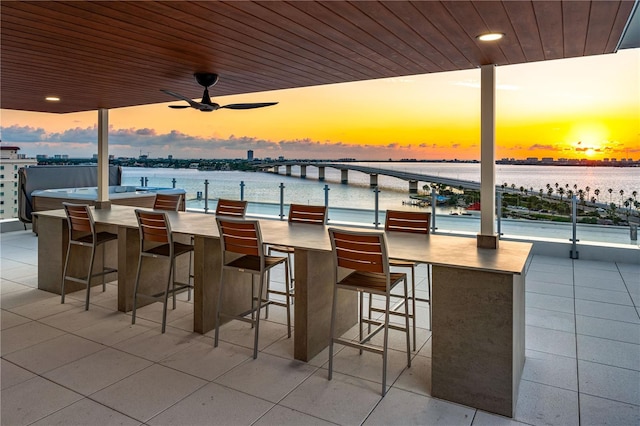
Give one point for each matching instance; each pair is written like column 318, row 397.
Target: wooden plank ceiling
column 106, row 54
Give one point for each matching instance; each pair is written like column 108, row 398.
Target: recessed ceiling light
column 52, row 99
column 490, row 36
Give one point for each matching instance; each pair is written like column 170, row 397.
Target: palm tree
column 550, row 191
column 557, row 186
column 541, row 192
column 621, row 195
column 581, row 194
column 610, row 191
column 597, row 192
column 635, row 194
column 561, row 192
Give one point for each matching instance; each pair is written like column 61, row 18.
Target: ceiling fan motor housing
column 206, row 79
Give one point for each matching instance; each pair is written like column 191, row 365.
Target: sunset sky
column 573, row 108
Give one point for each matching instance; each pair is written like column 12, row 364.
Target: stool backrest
column 240, row 236
column 153, row 226
column 307, row 214
column 360, row 251
column 231, row 208
column 79, row 218
column 402, row 221
column 167, row 202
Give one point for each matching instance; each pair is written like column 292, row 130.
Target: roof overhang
column 106, row 54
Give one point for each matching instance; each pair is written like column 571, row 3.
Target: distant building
column 169, row 157
column 281, row 158
column 547, row 160
column 250, row 155
column 10, row 163
column 41, row 157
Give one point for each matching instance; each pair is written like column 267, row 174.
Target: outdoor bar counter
column 478, row 326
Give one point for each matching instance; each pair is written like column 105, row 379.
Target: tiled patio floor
column 63, row 365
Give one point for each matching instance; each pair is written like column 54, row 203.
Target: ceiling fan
column 207, row 80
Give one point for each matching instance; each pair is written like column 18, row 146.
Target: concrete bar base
column 314, row 296
column 103, row 205
column 478, row 338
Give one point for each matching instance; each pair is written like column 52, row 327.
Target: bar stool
column 418, row 223
column 232, row 208
column 172, row 202
column 298, row 213
column 82, row 232
column 243, row 237
column 156, row 241
column 364, row 254
column 169, row 202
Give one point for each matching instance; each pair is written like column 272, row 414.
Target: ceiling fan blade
column 179, row 106
column 191, row 102
column 249, row 106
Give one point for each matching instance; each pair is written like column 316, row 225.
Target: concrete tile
column 7, row 286
column 551, row 303
column 399, row 406
column 9, row 319
column 202, row 360
column 343, row 400
column 18, row 298
column 606, row 280
column 541, row 404
column 53, row 353
column 241, row 333
column 553, row 320
column 213, row 404
column 86, row 412
column 596, row 411
column 618, row 384
column 550, row 341
column 607, row 311
column 46, row 307
column 609, row 352
column 607, row 296
column 368, row 366
column 267, row 377
column 97, row 371
column 77, row 318
column 34, row 399
column 550, row 289
column 539, row 259
column 25, row 335
column 416, row 379
column 116, row 328
column 155, row 345
column 147, row 393
column 552, row 370
column 550, row 276
column 594, row 265
column 286, row 416
column 608, row 329
column 488, row 419
column 11, row 374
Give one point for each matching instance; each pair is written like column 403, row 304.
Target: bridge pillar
column 288, row 170
column 320, row 173
column 303, row 172
column 344, row 176
column 276, row 169
column 413, row 187
column 373, row 180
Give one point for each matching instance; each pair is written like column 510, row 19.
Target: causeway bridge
column 373, row 172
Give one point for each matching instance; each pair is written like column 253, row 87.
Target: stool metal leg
column 93, row 257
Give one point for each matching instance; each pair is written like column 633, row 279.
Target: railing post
column 173, row 183
column 376, row 223
column 141, row 181
column 281, row 201
column 434, row 201
column 499, row 211
column 206, row 195
column 574, row 219
column 326, row 199
column 146, row 181
column 241, row 190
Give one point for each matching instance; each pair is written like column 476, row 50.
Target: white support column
column 487, row 237
column 102, row 202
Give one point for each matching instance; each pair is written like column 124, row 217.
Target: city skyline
column 572, row 108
